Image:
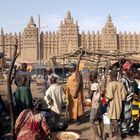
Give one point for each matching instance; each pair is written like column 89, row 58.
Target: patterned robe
column 76, row 108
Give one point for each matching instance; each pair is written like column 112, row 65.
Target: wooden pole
column 53, row 63
column 39, row 50
column 79, row 59
column 98, row 61
column 9, row 89
column 107, row 69
column 63, row 70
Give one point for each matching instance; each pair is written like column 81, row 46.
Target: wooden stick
column 107, row 68
column 79, row 59
column 9, row 89
column 98, row 61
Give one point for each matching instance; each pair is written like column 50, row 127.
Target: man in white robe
column 55, row 96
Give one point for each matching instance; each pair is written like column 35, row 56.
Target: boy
column 23, row 96
column 96, row 109
column 115, row 94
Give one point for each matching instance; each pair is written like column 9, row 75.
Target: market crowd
column 115, row 94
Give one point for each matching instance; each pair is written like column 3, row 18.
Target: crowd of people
column 120, row 99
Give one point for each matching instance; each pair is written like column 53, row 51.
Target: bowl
column 68, row 135
column 88, row 102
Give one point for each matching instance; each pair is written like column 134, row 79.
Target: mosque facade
column 40, row 46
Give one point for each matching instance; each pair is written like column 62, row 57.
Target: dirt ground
column 86, row 132
column 84, row 129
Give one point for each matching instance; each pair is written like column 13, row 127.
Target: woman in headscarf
column 32, row 125
column 75, row 94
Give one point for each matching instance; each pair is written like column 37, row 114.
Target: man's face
column 49, row 71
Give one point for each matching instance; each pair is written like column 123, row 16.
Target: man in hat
column 49, row 74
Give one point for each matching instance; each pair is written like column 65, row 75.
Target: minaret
column 76, row 23
column 109, row 18
column 68, row 19
column 31, row 22
column 2, row 41
column 30, row 42
column 69, row 32
column 109, row 36
column 68, row 15
column 1, row 30
column 109, row 22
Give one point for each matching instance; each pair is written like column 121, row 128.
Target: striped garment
column 135, row 110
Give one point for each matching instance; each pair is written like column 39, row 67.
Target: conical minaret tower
column 30, row 42
column 68, row 35
column 31, row 22
column 109, row 35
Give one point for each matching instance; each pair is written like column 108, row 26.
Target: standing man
column 54, row 97
column 96, row 109
column 23, row 72
column 115, row 94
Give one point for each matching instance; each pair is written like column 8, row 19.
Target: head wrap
column 126, row 66
column 49, row 68
column 53, row 78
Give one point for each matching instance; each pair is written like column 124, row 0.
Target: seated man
column 32, row 125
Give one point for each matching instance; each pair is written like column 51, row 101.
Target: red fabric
column 31, row 127
column 126, row 65
column 34, row 126
column 103, row 99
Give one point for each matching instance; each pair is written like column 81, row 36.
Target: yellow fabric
column 135, row 111
column 76, row 108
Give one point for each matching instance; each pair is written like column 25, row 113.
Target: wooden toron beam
column 9, row 89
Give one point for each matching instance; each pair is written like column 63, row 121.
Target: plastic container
column 106, row 119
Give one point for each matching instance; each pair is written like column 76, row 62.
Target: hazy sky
column 91, row 14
